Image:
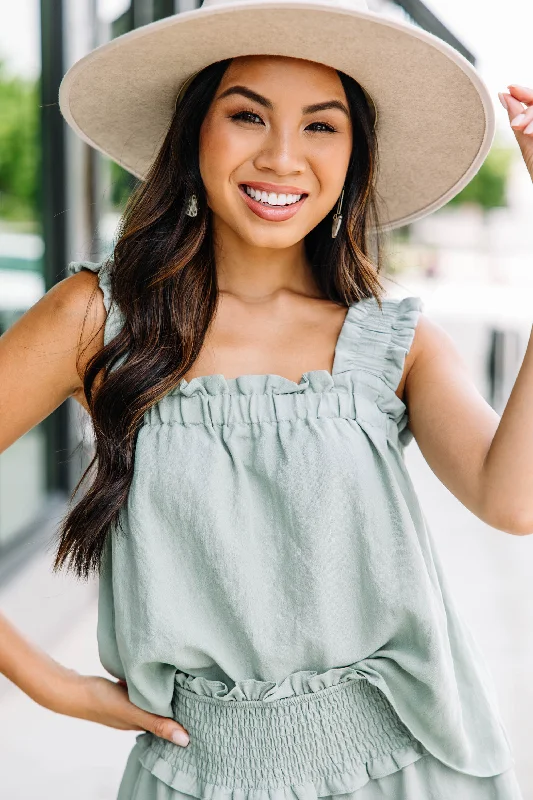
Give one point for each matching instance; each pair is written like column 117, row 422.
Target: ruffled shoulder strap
column 378, row 341
column 115, row 319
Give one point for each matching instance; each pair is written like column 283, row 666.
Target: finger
column 163, row 727
column 513, row 105
column 522, row 119
column 522, row 93
column 519, row 116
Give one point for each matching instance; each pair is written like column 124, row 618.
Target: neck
column 255, row 273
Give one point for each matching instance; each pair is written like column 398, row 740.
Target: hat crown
column 353, row 5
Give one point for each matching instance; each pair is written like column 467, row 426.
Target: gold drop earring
column 337, row 217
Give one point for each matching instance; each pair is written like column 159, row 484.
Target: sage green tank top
column 275, row 544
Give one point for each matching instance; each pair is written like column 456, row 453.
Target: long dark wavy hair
column 163, row 280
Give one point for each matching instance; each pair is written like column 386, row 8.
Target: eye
column 246, row 116
column 324, row 127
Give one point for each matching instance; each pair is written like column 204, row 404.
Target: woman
column 268, row 584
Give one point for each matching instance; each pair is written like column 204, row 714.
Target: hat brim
column 436, row 119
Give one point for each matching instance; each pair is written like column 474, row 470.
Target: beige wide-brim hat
column 435, row 116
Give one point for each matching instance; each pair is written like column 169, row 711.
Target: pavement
column 49, row 757
column 43, row 755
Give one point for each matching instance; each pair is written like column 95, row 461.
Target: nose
column 282, row 152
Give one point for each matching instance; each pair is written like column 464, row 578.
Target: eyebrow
column 258, row 98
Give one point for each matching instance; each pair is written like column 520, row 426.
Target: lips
column 278, row 188
column 270, row 213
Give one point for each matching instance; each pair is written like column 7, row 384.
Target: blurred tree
column 488, row 187
column 122, row 184
column 19, row 148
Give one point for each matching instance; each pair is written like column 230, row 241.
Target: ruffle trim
column 103, row 278
column 378, row 341
column 318, row 380
column 371, row 343
column 294, row 685
column 115, row 318
column 350, row 395
column 190, row 783
column 370, row 340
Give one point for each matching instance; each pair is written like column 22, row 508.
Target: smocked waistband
column 329, row 738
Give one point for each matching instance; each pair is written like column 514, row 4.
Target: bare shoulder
column 433, row 356
column 430, row 340
column 76, row 295
column 77, row 305
column 69, row 314
column 43, row 355
column 67, row 324
column 82, row 306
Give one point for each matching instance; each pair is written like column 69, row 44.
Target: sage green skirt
column 425, row 779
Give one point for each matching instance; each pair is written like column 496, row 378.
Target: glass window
column 23, row 466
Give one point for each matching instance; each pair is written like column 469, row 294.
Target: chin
column 273, row 239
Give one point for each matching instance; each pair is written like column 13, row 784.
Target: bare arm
column 22, row 663
column 484, row 460
column 39, row 353
column 38, row 370
column 65, row 691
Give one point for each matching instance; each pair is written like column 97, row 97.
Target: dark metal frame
column 53, row 178
column 426, row 19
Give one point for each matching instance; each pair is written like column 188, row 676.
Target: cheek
column 221, row 153
column 337, row 154
column 330, row 163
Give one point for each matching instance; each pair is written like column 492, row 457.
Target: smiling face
column 274, row 148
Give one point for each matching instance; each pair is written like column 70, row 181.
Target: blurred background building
column 471, row 262
column 59, row 201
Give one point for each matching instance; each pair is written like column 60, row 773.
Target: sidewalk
column 46, row 756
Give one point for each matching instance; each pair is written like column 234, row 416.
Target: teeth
column 271, row 198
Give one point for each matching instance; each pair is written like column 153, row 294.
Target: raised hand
column 518, row 102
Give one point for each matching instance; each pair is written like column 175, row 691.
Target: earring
column 337, row 217
column 192, row 206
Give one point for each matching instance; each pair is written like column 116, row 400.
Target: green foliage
column 488, row 187
column 20, row 149
column 122, row 184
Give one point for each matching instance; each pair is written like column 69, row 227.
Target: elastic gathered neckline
column 352, row 395
column 387, row 332
column 318, row 380
column 367, row 368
